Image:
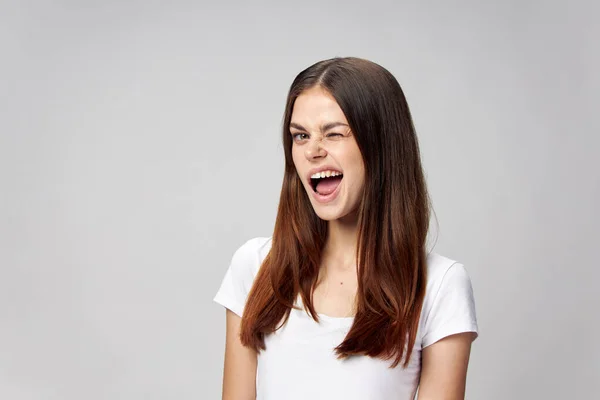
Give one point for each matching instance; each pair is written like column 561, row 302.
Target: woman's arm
column 239, row 375
column 444, row 368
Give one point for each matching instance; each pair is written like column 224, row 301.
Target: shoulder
column 240, row 275
column 438, row 267
column 449, row 305
column 445, row 275
column 248, row 257
column 255, row 248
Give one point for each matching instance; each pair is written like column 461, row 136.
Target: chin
column 328, row 214
column 327, row 217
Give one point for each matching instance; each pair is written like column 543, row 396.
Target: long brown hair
column 393, row 220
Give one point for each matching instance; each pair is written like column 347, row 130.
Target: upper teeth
column 325, row 174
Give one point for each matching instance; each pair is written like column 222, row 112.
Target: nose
column 315, row 149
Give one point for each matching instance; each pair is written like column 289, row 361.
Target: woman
column 344, row 301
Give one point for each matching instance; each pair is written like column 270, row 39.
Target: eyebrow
column 324, row 127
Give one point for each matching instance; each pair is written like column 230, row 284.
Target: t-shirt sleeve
column 239, row 278
column 453, row 308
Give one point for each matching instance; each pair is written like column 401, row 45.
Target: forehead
column 315, row 106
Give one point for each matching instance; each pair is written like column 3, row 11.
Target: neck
column 339, row 253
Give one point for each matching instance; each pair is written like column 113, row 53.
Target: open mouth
column 326, row 185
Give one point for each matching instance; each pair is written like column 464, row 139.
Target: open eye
column 295, row 136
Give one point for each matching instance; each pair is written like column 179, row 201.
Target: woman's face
column 322, row 140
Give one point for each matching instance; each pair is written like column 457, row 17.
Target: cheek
column 358, row 170
column 297, row 160
column 358, row 180
column 295, row 157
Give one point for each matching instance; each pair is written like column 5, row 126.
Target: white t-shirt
column 299, row 361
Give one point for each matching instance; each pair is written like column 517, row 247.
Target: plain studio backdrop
column 141, row 145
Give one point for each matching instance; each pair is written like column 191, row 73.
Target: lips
column 328, row 187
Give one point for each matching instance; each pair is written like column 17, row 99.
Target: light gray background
column 140, row 146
